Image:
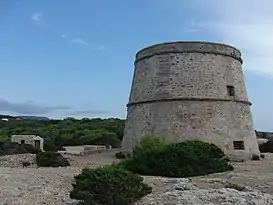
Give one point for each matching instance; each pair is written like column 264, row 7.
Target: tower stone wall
column 190, row 90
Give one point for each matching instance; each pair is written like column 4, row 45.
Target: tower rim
column 205, row 47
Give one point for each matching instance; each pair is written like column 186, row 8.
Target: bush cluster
column 51, row 159
column 109, row 185
column 30, row 149
column 182, row 159
column 255, row 157
column 122, row 155
column 119, row 184
column 266, row 147
column 49, row 145
column 147, row 144
column 66, row 132
column 9, row 148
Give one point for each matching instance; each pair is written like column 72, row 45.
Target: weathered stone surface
column 179, row 91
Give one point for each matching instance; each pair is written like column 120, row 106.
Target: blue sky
column 75, row 58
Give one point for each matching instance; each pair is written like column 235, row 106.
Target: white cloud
column 29, row 107
column 80, row 41
column 37, row 17
column 247, row 25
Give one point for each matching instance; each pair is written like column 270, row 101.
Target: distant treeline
column 70, row 131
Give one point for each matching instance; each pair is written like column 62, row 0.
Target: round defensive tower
column 190, row 90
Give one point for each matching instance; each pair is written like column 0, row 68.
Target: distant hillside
column 23, row 117
column 32, row 117
column 7, row 117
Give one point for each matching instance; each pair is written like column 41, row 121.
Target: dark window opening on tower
column 238, row 145
column 231, row 90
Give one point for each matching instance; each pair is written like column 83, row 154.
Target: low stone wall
column 83, row 150
column 94, row 147
column 89, row 149
column 71, row 153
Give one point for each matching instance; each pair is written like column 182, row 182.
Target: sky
column 61, row 58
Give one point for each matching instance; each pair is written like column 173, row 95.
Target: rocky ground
column 36, row 186
column 50, row 186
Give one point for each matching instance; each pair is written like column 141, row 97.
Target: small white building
column 33, row 140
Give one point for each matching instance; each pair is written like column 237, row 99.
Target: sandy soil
column 35, row 186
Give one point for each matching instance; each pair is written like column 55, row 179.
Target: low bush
column 26, row 163
column 148, row 143
column 266, row 147
column 255, row 157
column 10, row 148
column 182, row 159
column 262, row 156
column 109, row 185
column 109, row 139
column 30, row 149
column 49, row 145
column 122, row 155
column 51, row 159
column 61, row 148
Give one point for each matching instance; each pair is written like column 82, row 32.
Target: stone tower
column 190, row 90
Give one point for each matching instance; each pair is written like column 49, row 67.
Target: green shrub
column 26, row 163
column 106, row 140
column 61, row 148
column 183, row 159
column 255, row 157
column 10, row 148
column 30, row 149
column 266, row 147
column 51, row 159
column 49, row 145
column 147, row 143
column 109, row 185
column 122, row 155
